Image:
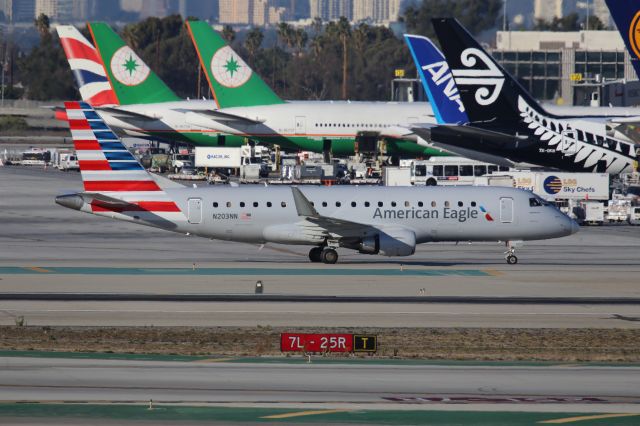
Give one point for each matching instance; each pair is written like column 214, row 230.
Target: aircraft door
column 506, row 210
column 569, row 142
column 195, row 210
column 301, row 125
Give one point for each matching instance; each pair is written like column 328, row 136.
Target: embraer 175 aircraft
column 389, row 221
column 506, row 125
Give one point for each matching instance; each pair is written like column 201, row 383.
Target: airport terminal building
column 573, row 67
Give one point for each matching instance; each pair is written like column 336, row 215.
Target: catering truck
column 553, row 186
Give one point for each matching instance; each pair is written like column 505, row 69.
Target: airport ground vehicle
column 456, row 170
column 389, row 221
column 35, row 157
column 181, row 160
column 554, row 186
column 590, row 212
column 634, row 218
column 68, row 161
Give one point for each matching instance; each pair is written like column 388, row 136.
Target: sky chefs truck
column 581, row 195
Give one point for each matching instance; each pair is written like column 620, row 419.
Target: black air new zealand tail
column 506, row 123
column 488, row 92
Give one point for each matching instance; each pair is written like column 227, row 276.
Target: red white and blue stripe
column 87, row 67
column 108, row 168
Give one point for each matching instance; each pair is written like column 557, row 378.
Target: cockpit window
column 537, row 202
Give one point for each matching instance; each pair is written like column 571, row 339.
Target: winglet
column 303, row 205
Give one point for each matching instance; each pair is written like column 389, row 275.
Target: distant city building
column 235, row 11
column 600, row 9
column 549, row 9
column 201, row 9
column 158, row 8
column 329, row 10
column 131, row 5
column 18, row 10
column 376, row 10
column 250, row 12
column 56, row 10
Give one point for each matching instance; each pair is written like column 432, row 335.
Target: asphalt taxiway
column 344, row 385
column 45, row 248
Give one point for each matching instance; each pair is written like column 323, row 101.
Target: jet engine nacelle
column 397, row 242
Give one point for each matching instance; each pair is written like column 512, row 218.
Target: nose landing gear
column 510, row 255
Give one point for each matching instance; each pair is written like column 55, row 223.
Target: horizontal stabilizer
column 126, row 115
column 105, row 201
column 224, row 116
column 474, row 143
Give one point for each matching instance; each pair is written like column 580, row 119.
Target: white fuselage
column 430, row 213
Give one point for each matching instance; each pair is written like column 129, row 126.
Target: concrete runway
column 36, row 233
column 551, row 388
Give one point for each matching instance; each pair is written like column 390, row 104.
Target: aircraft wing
column 635, row 120
column 473, row 142
column 325, row 224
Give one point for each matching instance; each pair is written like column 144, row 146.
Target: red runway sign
column 303, row 342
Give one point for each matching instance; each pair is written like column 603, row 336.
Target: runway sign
column 305, row 342
column 317, row 342
column 365, row 343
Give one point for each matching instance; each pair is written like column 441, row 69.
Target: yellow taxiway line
column 302, row 413
column 584, row 418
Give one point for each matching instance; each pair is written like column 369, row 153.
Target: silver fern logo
column 490, row 78
column 563, row 138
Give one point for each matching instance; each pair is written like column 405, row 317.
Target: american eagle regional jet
column 388, row 221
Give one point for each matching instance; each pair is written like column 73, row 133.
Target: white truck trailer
column 554, row 186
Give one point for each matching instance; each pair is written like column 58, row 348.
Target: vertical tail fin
column 489, row 93
column 437, row 80
column 87, row 67
column 232, row 82
column 114, row 181
column 132, row 80
column 626, row 14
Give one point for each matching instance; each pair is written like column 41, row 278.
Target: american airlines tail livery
column 388, row 221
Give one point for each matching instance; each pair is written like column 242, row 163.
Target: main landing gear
column 510, row 255
column 323, row 254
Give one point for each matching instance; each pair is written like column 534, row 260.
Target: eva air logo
column 229, row 69
column 128, row 68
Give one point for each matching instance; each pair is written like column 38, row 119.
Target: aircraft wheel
column 329, row 256
column 512, row 259
column 315, row 254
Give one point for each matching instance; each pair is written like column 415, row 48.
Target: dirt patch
column 612, row 345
